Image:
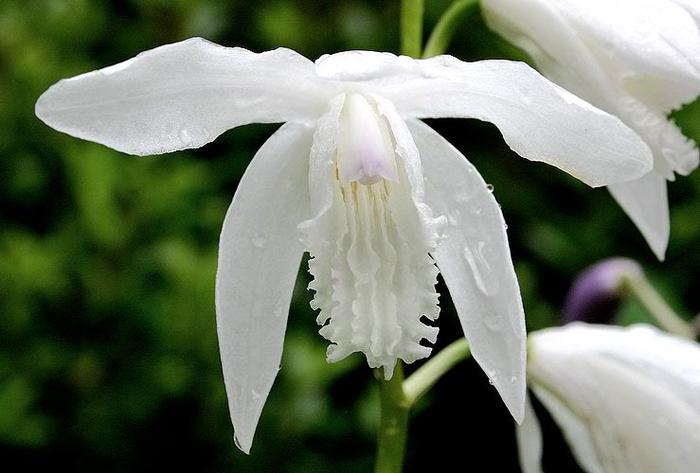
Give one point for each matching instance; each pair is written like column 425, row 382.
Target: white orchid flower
column 376, row 196
column 626, row 399
column 636, row 59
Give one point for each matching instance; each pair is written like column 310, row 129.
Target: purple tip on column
column 596, row 293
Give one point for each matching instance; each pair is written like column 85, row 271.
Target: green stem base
column 393, row 424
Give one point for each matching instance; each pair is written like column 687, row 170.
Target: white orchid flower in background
column 626, row 399
column 636, row 59
column 376, row 196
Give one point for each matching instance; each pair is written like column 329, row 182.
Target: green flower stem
column 427, row 375
column 652, row 301
column 397, row 396
column 393, row 424
column 447, row 24
column 412, row 27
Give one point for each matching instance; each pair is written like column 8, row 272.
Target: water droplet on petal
column 185, row 136
column 489, row 187
column 462, row 196
column 279, row 312
column 453, row 218
column 484, row 277
column 513, row 379
column 259, row 240
column 493, row 322
column 525, row 95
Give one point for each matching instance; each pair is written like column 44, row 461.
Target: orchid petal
column 692, row 7
column 652, row 46
column 544, row 33
column 475, row 262
column 645, row 200
column 183, row 95
column 259, row 257
column 574, row 429
column 538, row 119
column 642, row 421
column 529, row 437
column 669, row 360
column 664, row 63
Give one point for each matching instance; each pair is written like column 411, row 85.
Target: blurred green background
column 108, row 351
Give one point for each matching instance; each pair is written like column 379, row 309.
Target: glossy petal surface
column 259, row 256
column 183, row 95
column 474, row 259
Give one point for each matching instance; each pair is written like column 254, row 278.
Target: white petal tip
column 243, row 445
column 517, row 411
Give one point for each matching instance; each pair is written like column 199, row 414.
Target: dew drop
column 237, row 442
column 185, row 136
column 462, row 196
column 259, row 240
column 489, row 187
column 453, row 218
column 484, row 277
column 493, row 322
column 278, row 312
column 525, row 95
column 513, row 379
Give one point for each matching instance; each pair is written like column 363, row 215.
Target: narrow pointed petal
column 259, row 256
column 183, row 95
column 539, row 120
column 645, row 201
column 529, row 437
column 474, row 259
column 645, row 420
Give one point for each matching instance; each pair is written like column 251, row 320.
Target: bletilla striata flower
column 636, row 59
column 373, row 194
column 626, row 399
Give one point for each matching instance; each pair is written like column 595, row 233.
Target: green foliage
column 108, row 351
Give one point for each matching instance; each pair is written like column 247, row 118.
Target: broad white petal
column 600, row 49
column 645, row 201
column 653, row 45
column 670, row 360
column 538, row 119
column 259, row 256
column 474, row 259
column 633, row 408
column 539, row 28
column 183, row 95
column 529, row 437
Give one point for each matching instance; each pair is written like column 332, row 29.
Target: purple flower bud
column 597, row 292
